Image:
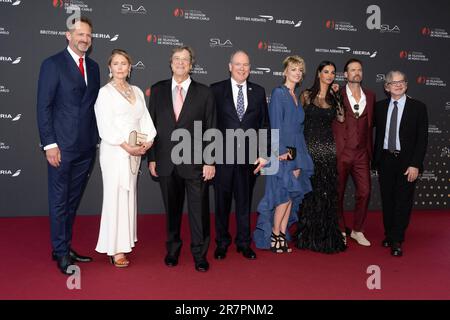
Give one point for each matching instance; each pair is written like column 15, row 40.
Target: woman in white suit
column 120, row 109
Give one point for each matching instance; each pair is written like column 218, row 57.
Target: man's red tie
column 81, row 67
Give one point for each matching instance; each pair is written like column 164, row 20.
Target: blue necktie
column 240, row 103
column 392, row 138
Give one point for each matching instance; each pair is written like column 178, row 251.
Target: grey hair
column 236, row 52
column 390, row 75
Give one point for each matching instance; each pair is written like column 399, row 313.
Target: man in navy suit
column 240, row 105
column 68, row 87
column 401, row 140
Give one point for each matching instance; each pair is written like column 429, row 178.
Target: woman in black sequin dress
column 318, row 228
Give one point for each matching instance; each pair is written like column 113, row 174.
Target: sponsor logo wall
column 149, row 30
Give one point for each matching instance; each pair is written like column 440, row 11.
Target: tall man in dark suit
column 401, row 140
column 178, row 103
column 68, row 87
column 354, row 148
column 240, row 105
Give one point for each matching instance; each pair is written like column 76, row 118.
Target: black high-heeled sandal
column 283, row 243
column 275, row 243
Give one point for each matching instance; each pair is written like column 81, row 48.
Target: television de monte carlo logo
column 340, row 26
column 163, row 39
column 189, row 14
column 413, row 56
column 66, row 4
column 271, row 46
column 434, row 32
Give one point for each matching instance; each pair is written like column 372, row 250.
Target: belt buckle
column 396, row 153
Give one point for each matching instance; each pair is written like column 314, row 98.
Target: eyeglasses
column 396, row 83
column 356, row 107
column 184, row 60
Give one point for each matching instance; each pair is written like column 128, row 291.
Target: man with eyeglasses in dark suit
column 401, row 139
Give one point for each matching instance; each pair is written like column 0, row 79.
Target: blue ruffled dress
column 281, row 184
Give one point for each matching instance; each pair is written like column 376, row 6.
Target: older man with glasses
column 401, row 140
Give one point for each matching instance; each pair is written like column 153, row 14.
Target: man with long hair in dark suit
column 354, row 148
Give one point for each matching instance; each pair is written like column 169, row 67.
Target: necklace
column 125, row 92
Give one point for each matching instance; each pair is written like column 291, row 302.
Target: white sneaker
column 359, row 237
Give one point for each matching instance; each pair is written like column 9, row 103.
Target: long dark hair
column 315, row 89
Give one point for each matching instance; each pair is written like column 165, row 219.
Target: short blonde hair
column 295, row 60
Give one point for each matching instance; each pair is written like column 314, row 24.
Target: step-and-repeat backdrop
column 409, row 36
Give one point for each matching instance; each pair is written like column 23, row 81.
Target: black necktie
column 393, row 129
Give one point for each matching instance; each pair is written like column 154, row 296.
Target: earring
column 129, row 73
column 110, row 73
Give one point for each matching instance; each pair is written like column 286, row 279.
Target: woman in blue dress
column 285, row 187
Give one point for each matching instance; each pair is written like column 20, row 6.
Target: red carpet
column 27, row 271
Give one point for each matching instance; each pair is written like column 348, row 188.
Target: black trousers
column 397, row 196
column 173, row 189
column 233, row 181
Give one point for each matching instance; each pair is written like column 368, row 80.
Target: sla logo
column 128, row 8
column 216, row 42
column 374, row 20
column 9, row 173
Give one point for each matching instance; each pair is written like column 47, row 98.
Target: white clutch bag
column 136, row 139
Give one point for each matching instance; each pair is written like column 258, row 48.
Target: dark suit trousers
column 173, row 188
column 355, row 163
column 233, row 181
column 65, row 188
column 397, row 196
